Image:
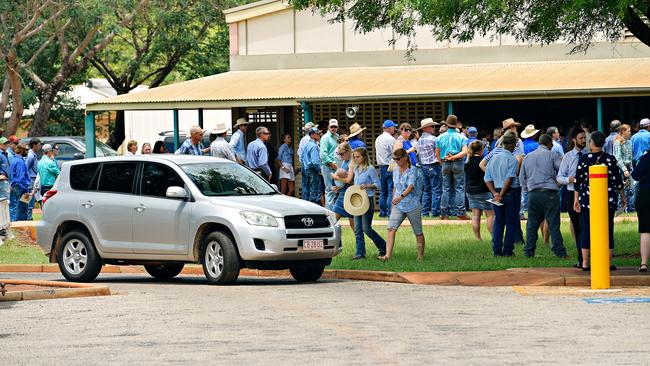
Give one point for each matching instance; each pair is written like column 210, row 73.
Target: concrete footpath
column 512, row 277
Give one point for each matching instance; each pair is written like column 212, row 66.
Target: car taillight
column 49, row 194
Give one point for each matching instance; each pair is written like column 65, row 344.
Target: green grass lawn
column 448, row 248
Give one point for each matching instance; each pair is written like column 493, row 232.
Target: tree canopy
column 577, row 22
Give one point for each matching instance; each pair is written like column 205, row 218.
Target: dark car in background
column 72, row 147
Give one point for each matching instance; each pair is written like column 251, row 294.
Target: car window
column 66, row 151
column 117, row 177
column 156, row 178
column 226, row 179
column 84, row 177
column 101, row 149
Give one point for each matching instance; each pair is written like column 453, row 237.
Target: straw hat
column 509, row 123
column 356, row 201
column 452, row 122
column 219, row 129
column 308, row 126
column 355, row 129
column 241, row 122
column 428, row 122
column 529, row 131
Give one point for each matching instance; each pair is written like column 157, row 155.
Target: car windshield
column 104, row 150
column 226, row 179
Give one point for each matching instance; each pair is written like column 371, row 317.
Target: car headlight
column 259, row 219
column 331, row 216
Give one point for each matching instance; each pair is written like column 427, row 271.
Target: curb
column 62, row 290
column 512, row 277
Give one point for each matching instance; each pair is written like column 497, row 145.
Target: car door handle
column 88, row 204
column 139, row 208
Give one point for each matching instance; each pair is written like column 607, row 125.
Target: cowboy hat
column 219, row 129
column 356, row 201
column 428, row 122
column 508, row 123
column 529, row 131
column 452, row 122
column 308, row 126
column 355, row 129
column 241, row 122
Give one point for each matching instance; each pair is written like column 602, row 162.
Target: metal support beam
column 176, row 137
column 599, row 113
column 201, row 117
column 307, row 112
column 89, row 131
column 450, row 108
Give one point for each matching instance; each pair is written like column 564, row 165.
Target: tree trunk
column 17, row 107
column 117, row 135
column 42, row 115
column 4, row 98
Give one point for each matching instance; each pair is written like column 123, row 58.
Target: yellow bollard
column 599, row 227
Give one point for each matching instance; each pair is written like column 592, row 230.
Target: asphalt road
column 278, row 322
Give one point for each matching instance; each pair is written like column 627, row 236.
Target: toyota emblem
column 307, row 221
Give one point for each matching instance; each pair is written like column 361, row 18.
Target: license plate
column 309, row 245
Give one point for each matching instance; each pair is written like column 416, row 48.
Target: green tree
column 188, row 34
column 543, row 21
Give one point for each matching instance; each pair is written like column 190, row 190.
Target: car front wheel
column 78, row 260
column 307, row 273
column 164, row 271
column 219, row 259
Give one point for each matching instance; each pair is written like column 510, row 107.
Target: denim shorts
column 397, row 216
column 478, row 200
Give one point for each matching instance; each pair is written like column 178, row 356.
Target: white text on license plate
column 312, row 245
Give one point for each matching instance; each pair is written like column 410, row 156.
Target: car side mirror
column 78, row 156
column 176, row 192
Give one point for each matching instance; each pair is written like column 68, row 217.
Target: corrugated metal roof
column 618, row 77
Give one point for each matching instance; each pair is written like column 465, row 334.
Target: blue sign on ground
column 617, row 300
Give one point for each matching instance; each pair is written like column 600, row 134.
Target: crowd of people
column 444, row 169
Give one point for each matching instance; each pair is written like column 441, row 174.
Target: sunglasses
column 266, row 133
column 398, row 157
column 334, row 127
column 406, row 129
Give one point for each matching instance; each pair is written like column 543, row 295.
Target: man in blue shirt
column 193, row 145
column 500, row 175
column 257, row 156
column 32, row 170
column 528, row 139
column 451, row 149
column 355, row 137
column 641, row 140
column 237, row 140
column 311, row 164
column 614, row 126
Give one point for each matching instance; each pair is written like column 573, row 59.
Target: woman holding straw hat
column 366, row 182
column 406, row 203
column 341, row 184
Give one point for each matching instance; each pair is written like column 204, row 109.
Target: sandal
column 643, row 268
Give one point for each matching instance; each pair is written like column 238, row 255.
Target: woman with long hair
column 146, row 148
column 343, row 181
column 477, row 191
column 406, row 203
column 159, row 148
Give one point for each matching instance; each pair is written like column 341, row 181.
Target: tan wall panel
column 372, row 41
column 271, row 34
column 242, row 38
column 315, row 34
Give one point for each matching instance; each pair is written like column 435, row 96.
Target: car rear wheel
column 219, row 259
column 307, row 273
column 78, row 260
column 164, row 271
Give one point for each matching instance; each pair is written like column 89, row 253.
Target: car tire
column 307, row 273
column 219, row 259
column 164, row 271
column 78, row 260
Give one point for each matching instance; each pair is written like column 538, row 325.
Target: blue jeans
column 312, row 185
column 506, row 218
column 363, row 224
column 432, row 189
column 453, row 180
column 31, row 203
column 330, row 195
column 386, row 192
column 304, row 193
column 17, row 209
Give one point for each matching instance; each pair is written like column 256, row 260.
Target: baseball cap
column 645, row 122
column 313, row 130
column 3, row 140
column 46, row 148
column 472, row 131
column 388, row 124
column 333, row 122
column 14, row 138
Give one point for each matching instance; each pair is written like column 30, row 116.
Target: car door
column 160, row 225
column 109, row 208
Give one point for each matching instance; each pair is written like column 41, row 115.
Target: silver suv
column 163, row 211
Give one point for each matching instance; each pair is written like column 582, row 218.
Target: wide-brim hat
column 529, row 131
column 219, row 129
column 356, row 201
column 308, row 126
column 355, row 129
column 508, row 123
column 241, row 122
column 452, row 121
column 428, row 122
